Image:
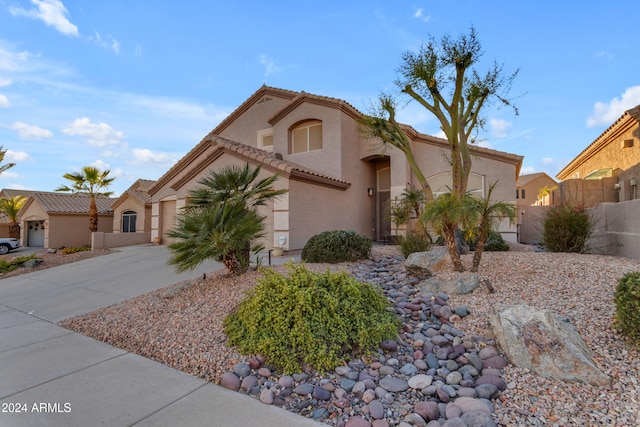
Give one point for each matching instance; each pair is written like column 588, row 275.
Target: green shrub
column 68, row 251
column 336, row 246
column 313, row 319
column 494, row 243
column 567, row 228
column 413, row 242
column 7, row 266
column 627, row 300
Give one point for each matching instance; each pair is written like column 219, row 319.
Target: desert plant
column 445, row 213
column 336, row 246
column 567, row 228
column 10, row 207
column 12, row 264
column 627, row 301
column 310, row 319
column 68, row 251
column 413, row 242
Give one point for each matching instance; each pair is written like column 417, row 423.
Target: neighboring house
column 529, row 190
column 532, row 205
column 7, row 193
column 54, row 220
column 607, row 170
column 336, row 179
column 132, row 210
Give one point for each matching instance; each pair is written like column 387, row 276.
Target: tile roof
column 70, row 203
column 139, row 190
column 525, row 179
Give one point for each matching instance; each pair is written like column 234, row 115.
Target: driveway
column 50, row 376
column 77, row 288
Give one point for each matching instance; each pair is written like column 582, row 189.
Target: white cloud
column 9, row 175
column 26, row 131
column 484, row 143
column 16, row 156
column 547, row 161
column 4, row 101
column 499, row 128
column 4, row 81
column 51, row 12
column 526, row 170
column 138, row 50
column 109, row 43
column 270, row 66
column 96, row 134
column 146, row 156
column 603, row 54
column 419, row 14
column 99, row 164
column 606, row 114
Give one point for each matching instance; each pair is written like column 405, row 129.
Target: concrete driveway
column 50, row 376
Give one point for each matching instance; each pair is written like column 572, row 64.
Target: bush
column 312, row 319
column 336, row 246
column 627, row 300
column 413, row 242
column 494, row 243
column 567, row 228
column 7, row 266
column 68, row 251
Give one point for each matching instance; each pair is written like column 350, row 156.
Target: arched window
column 442, row 183
column 306, row 136
column 129, row 221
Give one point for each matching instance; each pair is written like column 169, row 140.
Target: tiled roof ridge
column 62, row 202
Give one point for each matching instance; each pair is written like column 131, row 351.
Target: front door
column 35, row 233
column 384, row 204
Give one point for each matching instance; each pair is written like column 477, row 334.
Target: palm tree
column 10, row 207
column 90, row 181
column 484, row 213
column 5, row 166
column 221, row 220
column 445, row 213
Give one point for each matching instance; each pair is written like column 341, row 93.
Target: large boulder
column 424, row 264
column 465, row 283
column 545, row 343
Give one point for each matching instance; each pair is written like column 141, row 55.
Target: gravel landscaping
column 181, row 326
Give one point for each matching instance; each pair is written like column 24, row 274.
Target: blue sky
column 131, row 86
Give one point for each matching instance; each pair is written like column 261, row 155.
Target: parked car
column 8, row 244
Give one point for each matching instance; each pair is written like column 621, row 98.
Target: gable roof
column 629, row 117
column 270, row 160
column 526, row 179
column 139, row 191
column 77, row 203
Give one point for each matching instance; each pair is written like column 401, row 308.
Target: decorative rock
column 467, row 404
column 424, row 264
column 358, row 388
column 394, row 384
column 304, row 389
column 248, row 383
column 264, row 372
column 409, row 369
column 452, row 411
column 492, row 379
column 380, row 423
column 266, row 396
column 462, row 311
column 454, row 378
column 389, row 345
column 369, row 395
column 427, row 410
column 497, row 362
column 230, row 380
column 454, row 422
column 376, row 409
column 321, row 393
column 416, row 420
column 242, row 370
column 32, row 263
column 487, row 352
column 347, row 384
column 545, row 343
column 254, row 363
column 285, row 381
column 478, row 418
column 464, row 284
column 420, row 381
column 357, row 422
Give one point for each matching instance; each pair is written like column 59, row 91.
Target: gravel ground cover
column 181, row 326
column 51, row 259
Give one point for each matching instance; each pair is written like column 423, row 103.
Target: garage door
column 35, row 233
column 168, row 210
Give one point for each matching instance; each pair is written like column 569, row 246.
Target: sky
column 132, row 86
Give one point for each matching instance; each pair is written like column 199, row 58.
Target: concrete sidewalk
column 50, row 376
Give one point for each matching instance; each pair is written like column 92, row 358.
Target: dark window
column 517, row 193
column 129, row 222
column 522, row 194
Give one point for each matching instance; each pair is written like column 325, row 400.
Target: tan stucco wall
column 617, row 229
column 587, row 193
column 72, row 230
column 33, row 212
column 531, row 190
column 143, row 215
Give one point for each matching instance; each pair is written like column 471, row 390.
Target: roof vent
column 626, row 143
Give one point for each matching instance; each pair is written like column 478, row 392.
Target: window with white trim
column 306, row 136
column 265, row 139
column 129, row 221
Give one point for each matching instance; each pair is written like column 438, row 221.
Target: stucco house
column 607, row 170
column 54, row 220
column 7, row 193
column 336, row 179
column 528, row 189
column 132, row 210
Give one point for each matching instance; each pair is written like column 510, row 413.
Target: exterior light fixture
column 370, row 191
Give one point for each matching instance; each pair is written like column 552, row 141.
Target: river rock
column 464, row 284
column 545, row 343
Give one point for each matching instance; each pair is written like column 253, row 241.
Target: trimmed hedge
column 336, row 246
column 627, row 300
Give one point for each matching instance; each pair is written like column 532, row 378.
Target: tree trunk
column 450, row 238
column 477, row 255
column 14, row 230
column 232, row 264
column 93, row 214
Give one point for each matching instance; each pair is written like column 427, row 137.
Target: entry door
column 384, row 203
column 35, row 233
